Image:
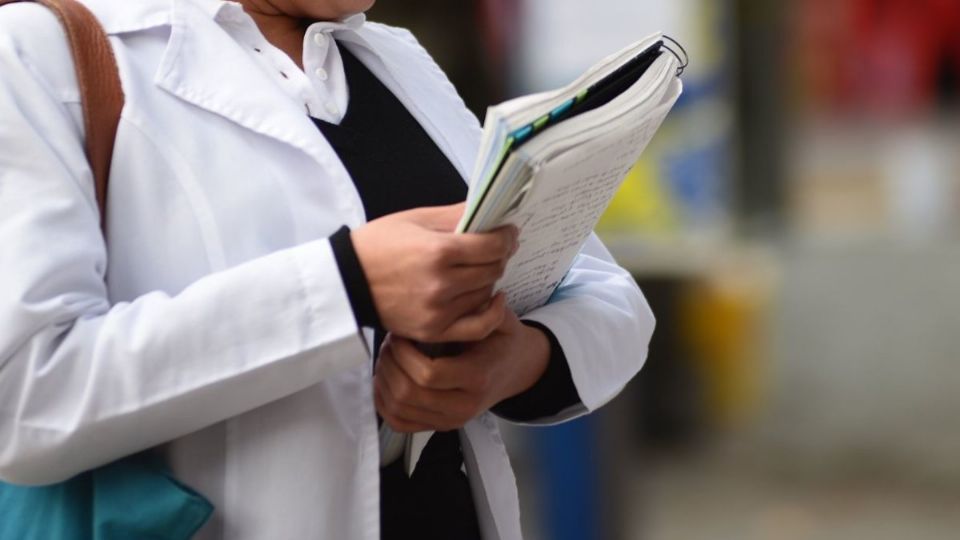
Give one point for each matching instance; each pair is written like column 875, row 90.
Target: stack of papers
column 550, row 163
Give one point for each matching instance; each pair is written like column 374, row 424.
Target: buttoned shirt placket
column 321, row 86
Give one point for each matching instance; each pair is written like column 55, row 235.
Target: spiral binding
column 684, row 59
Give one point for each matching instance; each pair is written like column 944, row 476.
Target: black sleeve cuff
column 553, row 393
column 354, row 280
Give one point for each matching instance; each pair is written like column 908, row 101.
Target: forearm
column 83, row 383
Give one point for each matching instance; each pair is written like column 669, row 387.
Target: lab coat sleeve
column 604, row 325
column 83, row 382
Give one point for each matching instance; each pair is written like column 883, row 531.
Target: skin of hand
column 429, row 283
column 414, row 392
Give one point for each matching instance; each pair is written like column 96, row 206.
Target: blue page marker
column 522, row 134
column 562, row 110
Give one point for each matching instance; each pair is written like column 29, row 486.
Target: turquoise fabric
column 134, row 498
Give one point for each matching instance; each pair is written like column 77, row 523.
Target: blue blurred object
column 570, row 486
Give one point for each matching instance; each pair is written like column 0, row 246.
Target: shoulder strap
column 100, row 89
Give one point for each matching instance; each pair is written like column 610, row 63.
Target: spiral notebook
column 551, row 163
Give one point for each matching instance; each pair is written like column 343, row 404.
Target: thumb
column 440, row 218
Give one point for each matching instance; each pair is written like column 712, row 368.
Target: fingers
column 429, row 323
column 428, row 283
column 395, row 408
column 470, row 303
column 476, row 326
column 400, row 425
column 464, row 289
column 483, row 248
column 431, row 373
column 402, row 389
column 410, row 407
column 466, row 279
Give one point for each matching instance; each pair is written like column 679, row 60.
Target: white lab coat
column 216, row 325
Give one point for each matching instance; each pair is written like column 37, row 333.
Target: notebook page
column 556, row 219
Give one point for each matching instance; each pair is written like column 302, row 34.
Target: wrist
column 536, row 357
column 553, row 392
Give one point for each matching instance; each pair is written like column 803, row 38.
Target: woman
column 280, row 199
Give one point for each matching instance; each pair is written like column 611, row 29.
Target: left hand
column 414, row 392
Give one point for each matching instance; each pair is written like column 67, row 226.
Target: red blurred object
column 500, row 20
column 880, row 57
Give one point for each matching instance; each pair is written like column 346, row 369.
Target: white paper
column 569, row 193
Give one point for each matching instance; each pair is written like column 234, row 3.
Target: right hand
column 429, row 283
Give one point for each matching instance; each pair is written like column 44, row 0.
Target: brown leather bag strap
column 100, row 91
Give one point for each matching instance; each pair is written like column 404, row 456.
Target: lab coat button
column 320, row 39
column 332, row 108
column 321, row 74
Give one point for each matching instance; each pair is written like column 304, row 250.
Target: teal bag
column 134, row 498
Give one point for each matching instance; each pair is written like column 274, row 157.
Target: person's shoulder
column 32, row 36
column 31, row 20
column 28, row 23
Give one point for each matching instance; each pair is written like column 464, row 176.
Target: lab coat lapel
column 204, row 66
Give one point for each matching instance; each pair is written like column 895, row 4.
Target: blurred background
column 796, row 227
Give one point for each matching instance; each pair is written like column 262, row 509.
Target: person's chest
column 216, row 164
column 392, row 161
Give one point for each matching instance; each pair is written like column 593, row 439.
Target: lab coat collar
column 221, row 87
column 231, row 86
column 254, row 102
column 187, row 72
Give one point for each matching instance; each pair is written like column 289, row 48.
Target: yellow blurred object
column 641, row 206
column 723, row 318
